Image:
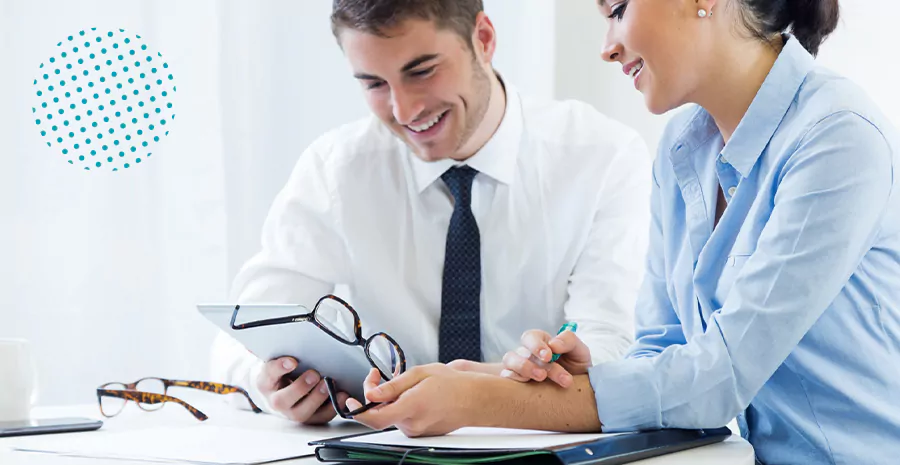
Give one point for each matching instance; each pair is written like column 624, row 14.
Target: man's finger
column 326, row 412
column 284, row 399
column 536, row 342
column 373, row 379
column 352, row 404
column 476, row 367
column 391, row 390
column 382, row 416
column 304, row 410
column 273, row 371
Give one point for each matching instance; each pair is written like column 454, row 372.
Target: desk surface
column 732, row 451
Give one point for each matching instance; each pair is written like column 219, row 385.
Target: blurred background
column 101, row 271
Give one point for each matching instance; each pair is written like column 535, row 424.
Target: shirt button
column 722, row 157
column 731, row 191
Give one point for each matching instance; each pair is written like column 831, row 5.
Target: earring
column 702, row 13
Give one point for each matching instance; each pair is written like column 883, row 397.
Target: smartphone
column 46, row 426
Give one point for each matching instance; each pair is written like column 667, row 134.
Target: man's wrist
column 483, row 400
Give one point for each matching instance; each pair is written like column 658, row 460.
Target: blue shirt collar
column 762, row 119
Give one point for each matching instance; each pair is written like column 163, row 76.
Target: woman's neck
column 741, row 69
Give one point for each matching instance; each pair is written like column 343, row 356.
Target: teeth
column 637, row 69
column 428, row 125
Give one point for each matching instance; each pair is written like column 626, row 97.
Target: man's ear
column 484, row 38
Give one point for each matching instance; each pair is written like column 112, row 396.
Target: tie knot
column 459, row 180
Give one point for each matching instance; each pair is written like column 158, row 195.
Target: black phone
column 46, row 426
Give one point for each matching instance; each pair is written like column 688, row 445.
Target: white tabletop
column 732, row 451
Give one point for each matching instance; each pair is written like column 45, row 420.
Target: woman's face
column 661, row 45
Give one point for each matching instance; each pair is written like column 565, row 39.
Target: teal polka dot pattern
column 92, row 69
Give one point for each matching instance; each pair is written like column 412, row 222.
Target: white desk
column 733, row 451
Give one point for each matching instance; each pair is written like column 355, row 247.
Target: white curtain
column 102, row 271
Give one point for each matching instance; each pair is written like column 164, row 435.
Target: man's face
column 426, row 84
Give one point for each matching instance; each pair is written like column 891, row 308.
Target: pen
column 571, row 327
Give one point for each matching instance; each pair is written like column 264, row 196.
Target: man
column 554, row 196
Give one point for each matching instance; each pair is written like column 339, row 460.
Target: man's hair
column 376, row 16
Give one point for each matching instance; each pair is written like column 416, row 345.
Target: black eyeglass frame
column 360, row 341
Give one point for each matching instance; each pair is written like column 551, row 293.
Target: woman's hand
column 427, row 400
column 531, row 361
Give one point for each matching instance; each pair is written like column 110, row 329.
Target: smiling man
column 458, row 216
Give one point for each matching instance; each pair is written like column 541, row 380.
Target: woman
column 772, row 291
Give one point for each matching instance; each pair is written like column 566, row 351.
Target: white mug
column 17, row 380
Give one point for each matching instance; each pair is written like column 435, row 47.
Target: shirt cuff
column 626, row 395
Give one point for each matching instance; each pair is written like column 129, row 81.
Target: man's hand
column 303, row 400
column 531, row 361
column 427, row 400
column 476, row 367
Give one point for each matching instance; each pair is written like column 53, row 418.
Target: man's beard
column 481, row 87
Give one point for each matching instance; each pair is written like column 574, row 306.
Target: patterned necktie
column 460, row 330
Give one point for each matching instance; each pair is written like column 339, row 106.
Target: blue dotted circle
column 123, row 82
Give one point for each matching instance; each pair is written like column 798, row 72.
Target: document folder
column 607, row 450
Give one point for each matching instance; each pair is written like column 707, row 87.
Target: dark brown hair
column 375, row 16
column 810, row 21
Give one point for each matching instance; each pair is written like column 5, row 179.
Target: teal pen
column 571, row 327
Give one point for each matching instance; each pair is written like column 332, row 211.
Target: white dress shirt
column 561, row 201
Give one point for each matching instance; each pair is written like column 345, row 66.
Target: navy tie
column 460, row 331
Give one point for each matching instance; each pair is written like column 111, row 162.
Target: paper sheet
column 481, row 438
column 200, row 444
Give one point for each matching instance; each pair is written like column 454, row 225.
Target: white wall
column 525, row 43
column 581, row 73
column 865, row 48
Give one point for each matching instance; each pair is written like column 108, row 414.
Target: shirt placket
column 696, row 218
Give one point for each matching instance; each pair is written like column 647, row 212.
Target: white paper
column 201, row 444
column 481, row 438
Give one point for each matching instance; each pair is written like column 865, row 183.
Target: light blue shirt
column 787, row 314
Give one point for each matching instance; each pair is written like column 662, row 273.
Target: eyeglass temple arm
column 217, row 388
column 150, row 398
column 269, row 322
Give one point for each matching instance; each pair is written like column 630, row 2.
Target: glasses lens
column 111, row 406
column 386, row 356
column 337, row 318
column 154, row 386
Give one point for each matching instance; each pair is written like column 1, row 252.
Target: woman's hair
column 810, row 21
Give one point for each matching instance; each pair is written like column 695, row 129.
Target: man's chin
column 429, row 156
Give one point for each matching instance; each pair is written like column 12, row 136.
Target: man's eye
column 422, row 73
column 375, row 85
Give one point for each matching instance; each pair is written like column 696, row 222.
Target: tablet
column 47, row 425
column 346, row 364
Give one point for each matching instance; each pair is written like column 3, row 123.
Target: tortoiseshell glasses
column 339, row 320
column 150, row 394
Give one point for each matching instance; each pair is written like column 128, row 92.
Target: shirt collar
column 763, row 117
column 497, row 159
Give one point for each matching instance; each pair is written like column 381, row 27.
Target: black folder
column 617, row 449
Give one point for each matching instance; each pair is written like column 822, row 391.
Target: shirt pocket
column 732, row 268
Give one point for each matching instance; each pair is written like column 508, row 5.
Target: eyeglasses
column 339, row 320
column 150, row 394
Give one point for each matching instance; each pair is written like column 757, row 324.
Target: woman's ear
column 705, row 7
